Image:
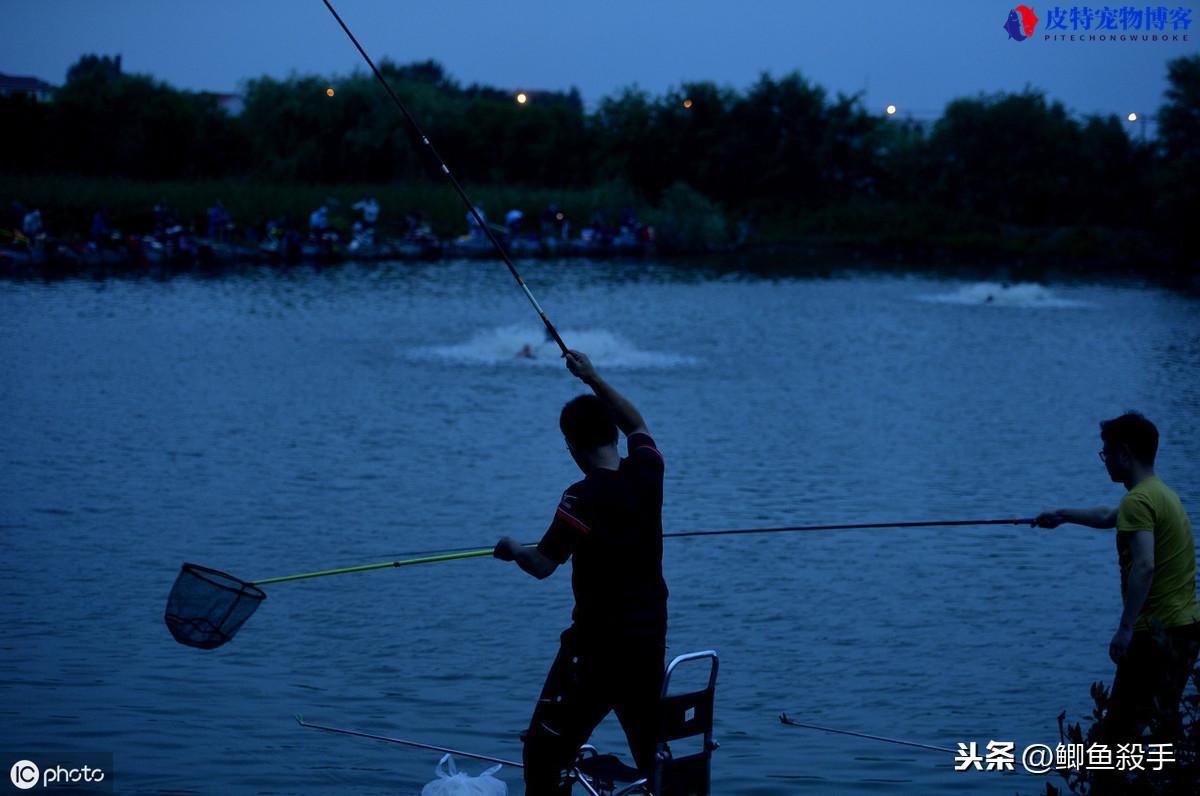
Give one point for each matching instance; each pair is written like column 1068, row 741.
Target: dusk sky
column 916, row 55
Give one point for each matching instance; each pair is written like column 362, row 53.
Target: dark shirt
column 611, row 524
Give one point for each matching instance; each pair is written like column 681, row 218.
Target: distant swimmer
column 527, row 352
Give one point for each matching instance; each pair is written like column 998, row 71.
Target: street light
column 329, row 92
column 522, row 98
column 687, row 103
column 1140, row 121
column 891, row 110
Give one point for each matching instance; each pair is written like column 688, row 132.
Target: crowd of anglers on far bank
column 332, row 233
column 609, row 525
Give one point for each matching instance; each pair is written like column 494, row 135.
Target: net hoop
column 224, row 604
column 245, row 587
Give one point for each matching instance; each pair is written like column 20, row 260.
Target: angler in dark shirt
column 610, row 523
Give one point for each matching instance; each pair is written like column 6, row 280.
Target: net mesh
column 206, row 607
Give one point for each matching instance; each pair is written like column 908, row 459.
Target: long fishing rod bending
column 433, row 556
column 453, row 181
column 787, row 529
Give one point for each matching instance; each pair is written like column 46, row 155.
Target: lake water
column 276, row 422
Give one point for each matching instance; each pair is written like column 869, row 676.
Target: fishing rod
column 743, row 531
column 453, row 180
column 415, row 744
column 790, row 722
column 453, row 554
column 852, row 526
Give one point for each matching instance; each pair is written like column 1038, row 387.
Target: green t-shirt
column 1152, row 506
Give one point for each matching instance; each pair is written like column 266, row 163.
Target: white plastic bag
column 452, row 782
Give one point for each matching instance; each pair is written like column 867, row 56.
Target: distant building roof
column 9, row 83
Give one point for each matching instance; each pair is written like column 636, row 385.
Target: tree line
column 783, row 144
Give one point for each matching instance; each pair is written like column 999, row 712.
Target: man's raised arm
column 629, row 420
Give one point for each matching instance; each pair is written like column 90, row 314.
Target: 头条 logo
column 1021, row 22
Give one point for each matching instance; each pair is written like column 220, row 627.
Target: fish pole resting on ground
column 207, row 607
column 415, row 744
column 453, row 181
column 787, row 720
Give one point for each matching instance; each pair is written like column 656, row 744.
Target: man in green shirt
column 1158, row 638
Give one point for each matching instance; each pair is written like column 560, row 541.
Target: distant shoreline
column 852, row 234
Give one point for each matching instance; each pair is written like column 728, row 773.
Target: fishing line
column 453, row 180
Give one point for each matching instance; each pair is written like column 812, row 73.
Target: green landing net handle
column 384, row 565
column 207, row 607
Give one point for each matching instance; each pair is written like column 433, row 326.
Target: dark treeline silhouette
column 779, row 149
column 104, row 122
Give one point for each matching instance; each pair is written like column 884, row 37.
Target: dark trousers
column 1149, row 684
column 589, row 677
